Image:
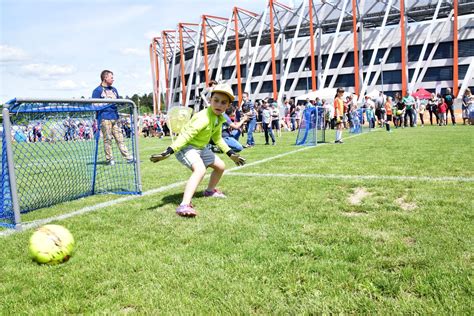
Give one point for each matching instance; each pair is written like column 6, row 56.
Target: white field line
column 352, row 177
column 88, row 209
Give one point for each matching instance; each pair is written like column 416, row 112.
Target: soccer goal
column 53, row 152
column 358, row 119
column 312, row 127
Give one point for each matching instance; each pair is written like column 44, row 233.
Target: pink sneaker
column 186, row 210
column 215, row 193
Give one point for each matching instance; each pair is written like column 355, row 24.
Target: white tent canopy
column 327, row 93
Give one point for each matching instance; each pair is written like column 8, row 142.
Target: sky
column 57, row 48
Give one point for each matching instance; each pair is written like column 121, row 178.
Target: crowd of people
column 269, row 117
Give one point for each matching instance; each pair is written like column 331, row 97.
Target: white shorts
column 189, row 155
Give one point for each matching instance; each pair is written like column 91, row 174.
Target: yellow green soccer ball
column 51, row 244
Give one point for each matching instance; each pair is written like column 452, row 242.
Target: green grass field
column 381, row 224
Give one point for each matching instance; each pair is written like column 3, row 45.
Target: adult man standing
column 109, row 118
column 449, row 100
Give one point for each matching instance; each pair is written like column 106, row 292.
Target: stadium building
column 288, row 50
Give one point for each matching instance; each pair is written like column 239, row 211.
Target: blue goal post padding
column 53, row 151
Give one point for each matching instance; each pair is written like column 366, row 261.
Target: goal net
column 53, row 152
column 312, row 127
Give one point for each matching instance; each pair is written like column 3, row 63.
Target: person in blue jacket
column 109, row 118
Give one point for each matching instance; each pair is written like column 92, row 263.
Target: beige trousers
column 111, row 128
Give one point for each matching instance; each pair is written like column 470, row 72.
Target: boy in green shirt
column 191, row 151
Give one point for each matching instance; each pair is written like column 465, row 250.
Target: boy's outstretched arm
column 238, row 159
column 162, row 156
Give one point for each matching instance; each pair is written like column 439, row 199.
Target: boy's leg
column 218, row 170
column 199, row 170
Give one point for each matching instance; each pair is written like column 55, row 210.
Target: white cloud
column 47, row 71
column 66, row 85
column 10, row 53
column 133, row 52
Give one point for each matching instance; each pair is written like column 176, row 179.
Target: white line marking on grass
column 88, row 209
column 352, row 177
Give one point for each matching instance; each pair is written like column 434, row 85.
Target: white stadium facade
column 290, row 49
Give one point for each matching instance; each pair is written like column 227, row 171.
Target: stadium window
column 395, row 56
column 288, row 84
column 444, row 50
column 302, row 83
column 192, row 94
column 349, row 62
column 176, row 97
column 324, row 60
column 258, row 69
column 345, row 80
column 414, row 52
column 462, row 70
column 366, row 55
column 466, row 48
column 268, row 86
column 234, row 89
column 438, row 74
column 390, row 77
column 253, row 87
column 186, row 77
column 277, row 66
column 227, row 72
column 295, row 64
column 243, row 70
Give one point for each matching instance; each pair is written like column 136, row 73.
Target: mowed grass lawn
column 305, row 240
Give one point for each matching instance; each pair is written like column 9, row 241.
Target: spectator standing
column 442, row 109
column 421, row 111
column 409, row 102
column 275, row 118
column 400, row 114
column 109, row 118
column 449, row 100
column 338, row 114
column 249, row 109
column 433, row 108
column 466, row 105
column 293, row 115
column 388, row 113
column 267, row 122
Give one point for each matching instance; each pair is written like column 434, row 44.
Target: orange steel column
column 181, row 50
column 237, row 54
column 455, row 49
column 165, row 62
column 157, row 76
column 272, row 41
column 403, row 47
column 356, row 48
column 311, row 42
column 206, row 62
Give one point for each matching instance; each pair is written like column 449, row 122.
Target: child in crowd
column 388, row 113
column 442, row 109
column 338, row 114
column 191, row 151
